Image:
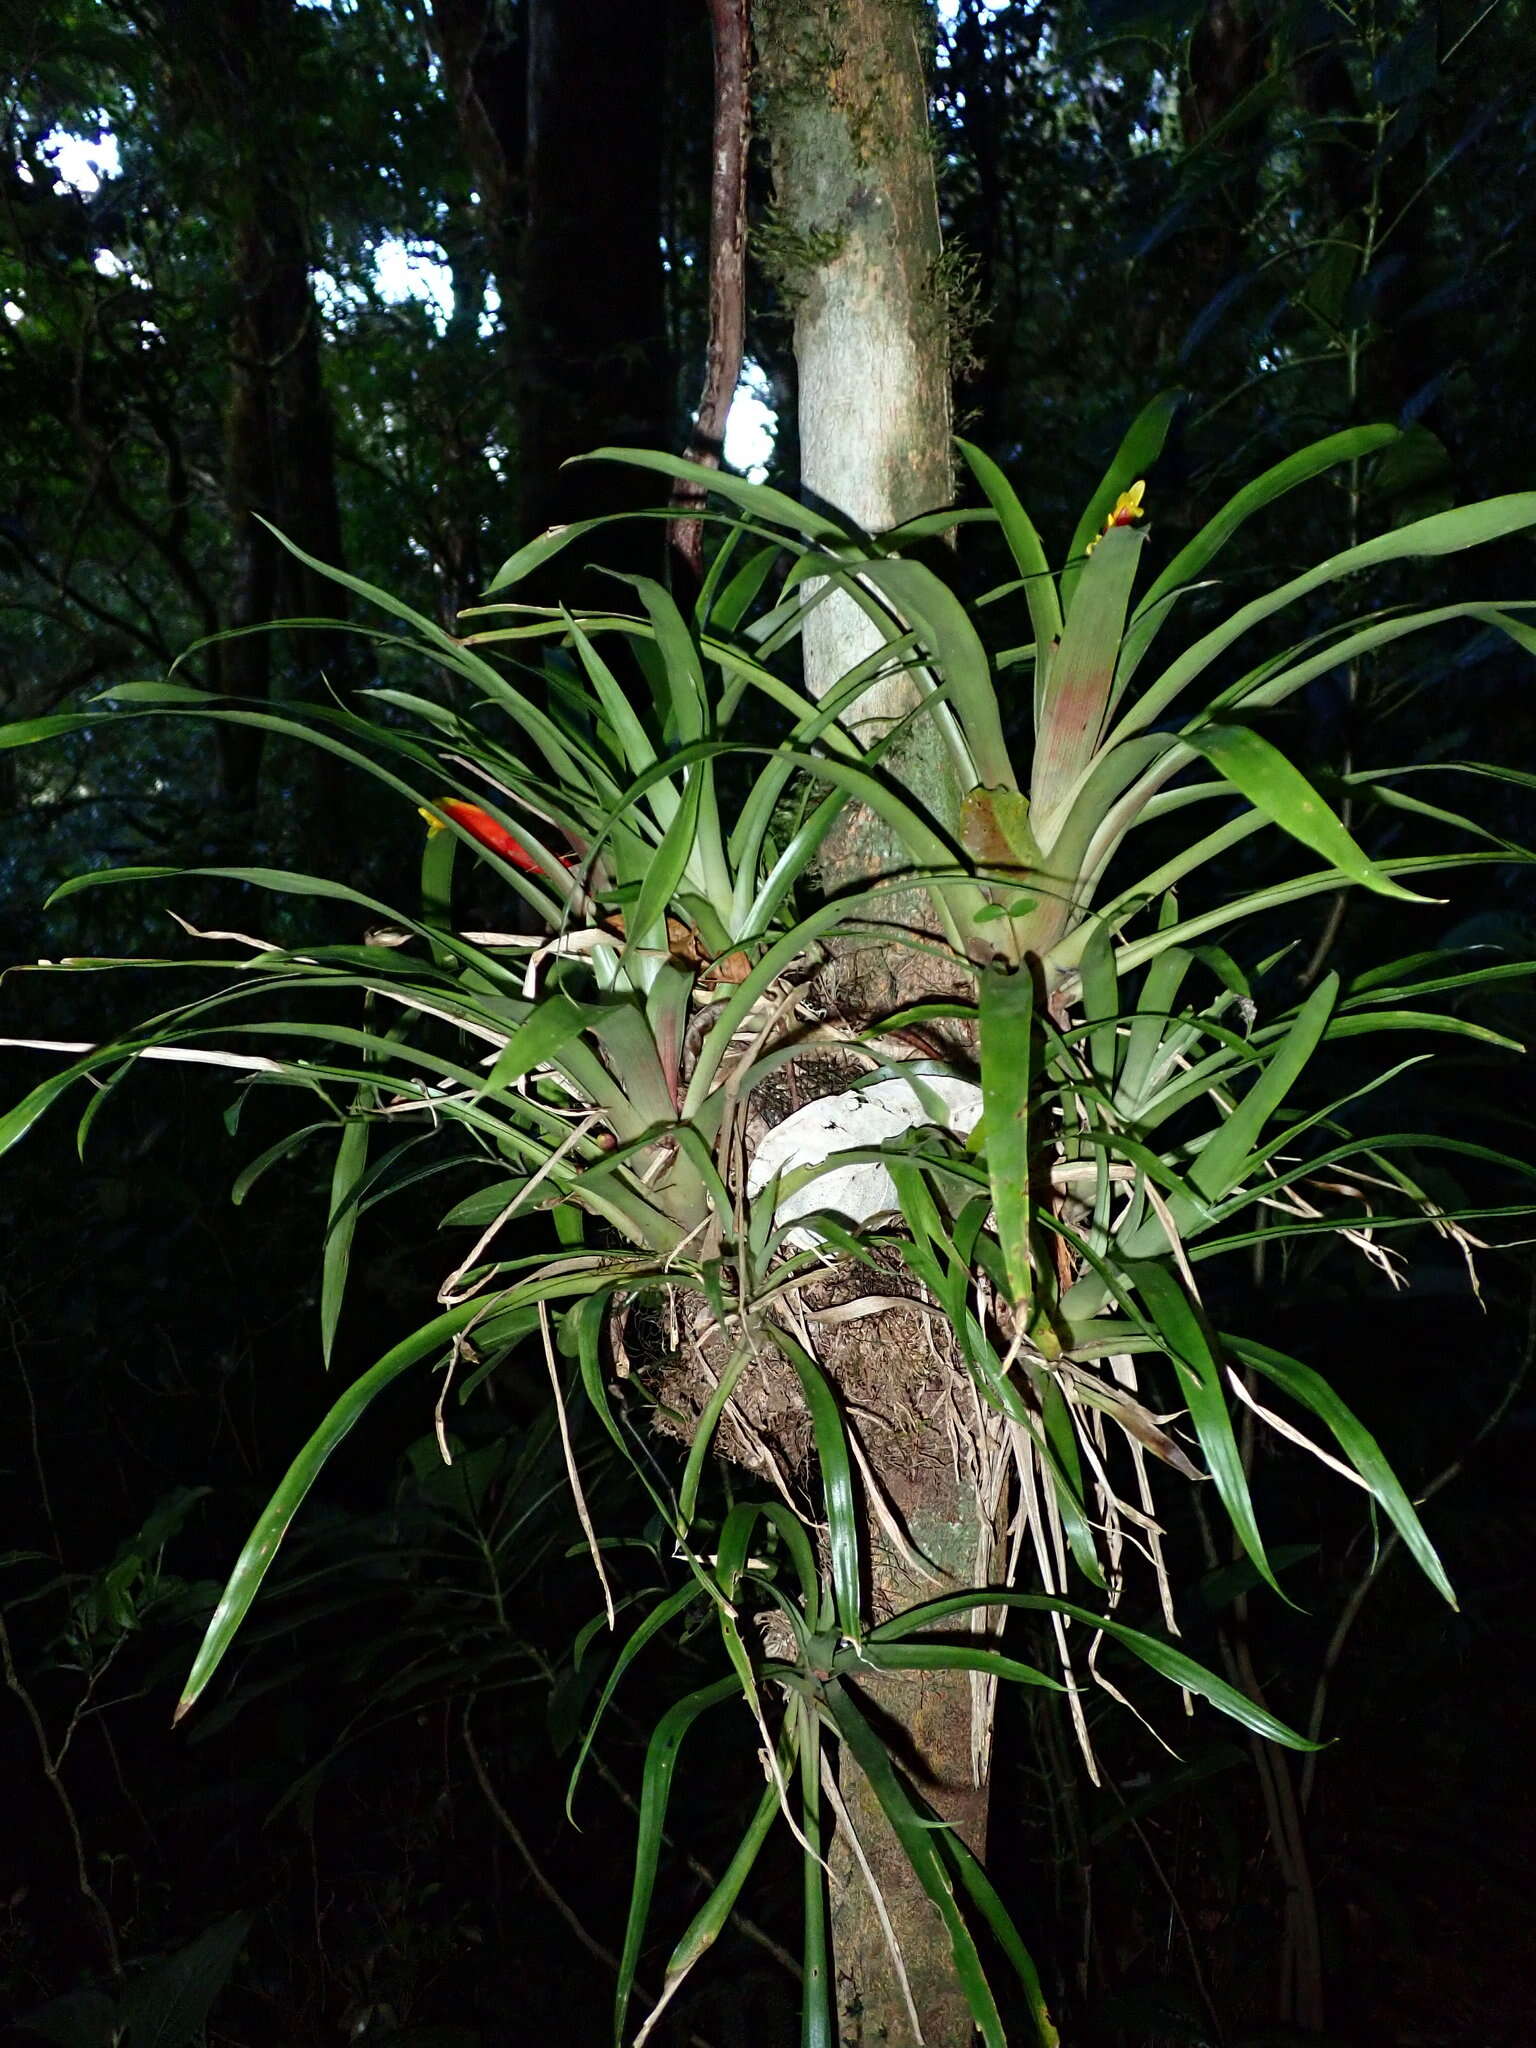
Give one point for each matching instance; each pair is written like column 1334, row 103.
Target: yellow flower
column 1128, row 506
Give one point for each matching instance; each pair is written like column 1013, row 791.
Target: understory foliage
column 1106, row 1103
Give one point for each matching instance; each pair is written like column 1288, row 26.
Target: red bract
column 481, row 825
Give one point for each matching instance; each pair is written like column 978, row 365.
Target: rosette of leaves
column 1147, row 1104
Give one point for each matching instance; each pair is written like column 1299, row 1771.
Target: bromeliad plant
column 1139, row 1104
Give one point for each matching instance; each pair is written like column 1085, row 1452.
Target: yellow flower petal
column 1128, row 506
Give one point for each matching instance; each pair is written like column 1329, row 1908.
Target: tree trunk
column 279, row 436
column 595, row 363
column 561, row 125
column 279, row 460
column 854, row 243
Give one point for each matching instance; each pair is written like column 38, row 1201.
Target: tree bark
column 595, row 365
column 279, row 434
column 561, row 119
column 730, row 136
column 853, row 242
column 279, row 459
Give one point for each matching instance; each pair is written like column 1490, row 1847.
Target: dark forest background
column 373, row 272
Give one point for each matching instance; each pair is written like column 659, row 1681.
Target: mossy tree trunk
column 854, row 243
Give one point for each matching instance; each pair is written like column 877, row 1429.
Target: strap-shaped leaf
column 818, row 2028
column 1296, row 890
column 351, row 1163
column 1000, row 1921
column 1028, row 553
column 1007, row 1065
column 1150, row 1028
column 1279, row 678
column 655, row 1792
column 30, row 732
column 943, row 623
column 665, row 871
column 1273, row 785
column 651, row 1625
column 703, row 1930
column 949, row 1657
column 1440, row 534
column 1163, row 1658
column 1188, row 1347
column 1076, row 700
column 261, row 1546
column 777, row 508
column 1352, row 445
column 836, row 1478
column 1358, row 1445
column 1222, row 1162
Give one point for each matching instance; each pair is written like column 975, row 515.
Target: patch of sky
column 414, row 270
column 751, row 425
column 949, row 14
column 949, row 10
column 80, row 162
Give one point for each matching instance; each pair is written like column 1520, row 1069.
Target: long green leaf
column 836, row 1478
column 29, row 732
column 655, row 1791
column 949, row 1657
column 1076, row 700
column 1189, row 1349
column 1136, row 454
column 261, row 1546
column 925, row 602
column 1296, row 890
column 1028, row 553
column 1278, row 679
column 1222, row 1162
column 1352, row 445
column 817, row 2027
column 1007, row 1038
column 1000, row 1920
column 1277, row 788
column 703, row 1931
column 651, row 1625
column 760, row 500
column 351, row 1163
column 1357, row 1444
column 542, row 1036
column 664, row 872
column 1169, row 1663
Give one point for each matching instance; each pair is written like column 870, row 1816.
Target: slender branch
column 727, row 260
column 50, row 1769
column 531, row 1864
column 114, row 621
